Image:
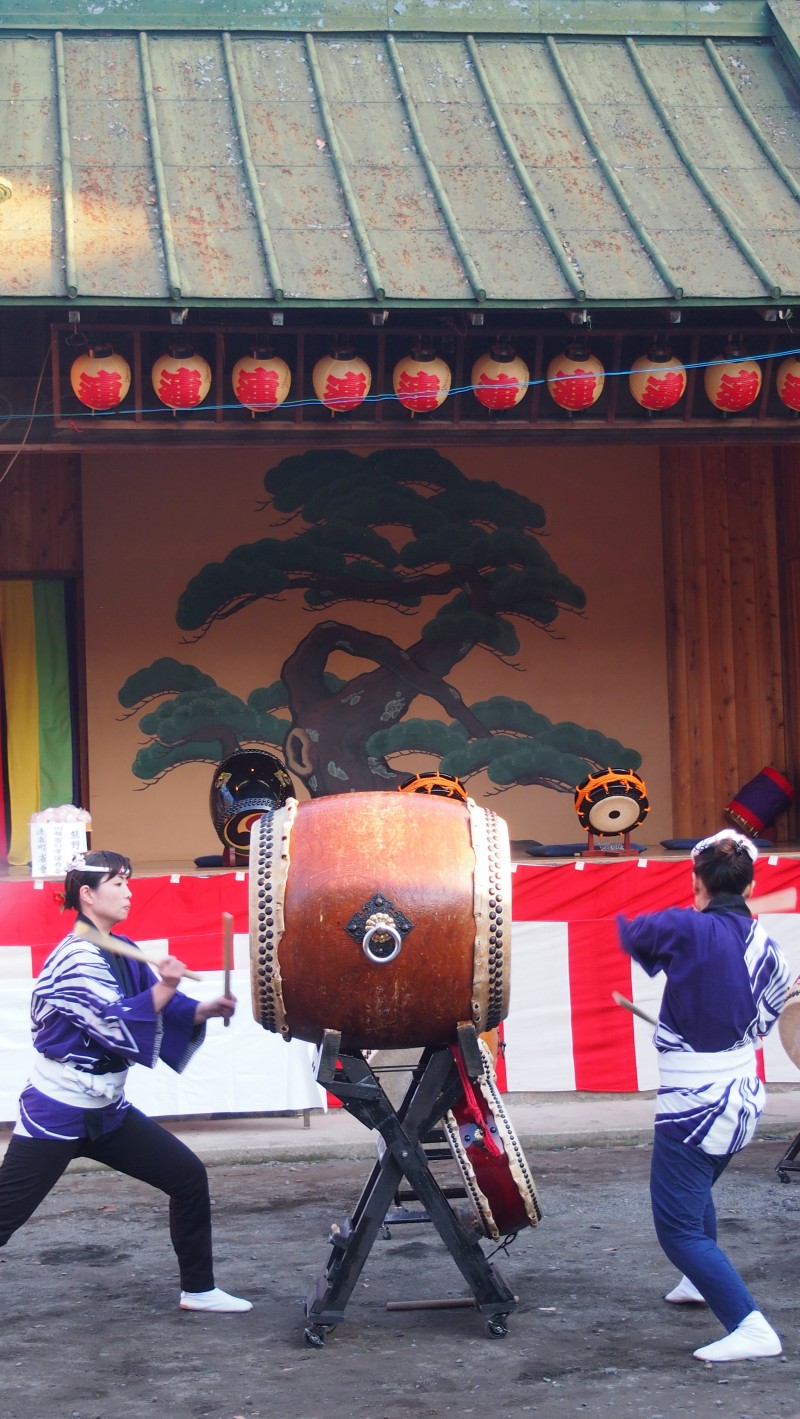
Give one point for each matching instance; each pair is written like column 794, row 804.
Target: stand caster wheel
column 497, row 1327
column 314, row 1335
column 783, row 1177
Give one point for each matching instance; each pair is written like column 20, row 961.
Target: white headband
column 79, row 864
column 726, row 835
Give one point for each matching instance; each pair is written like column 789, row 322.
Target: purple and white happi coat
column 726, row 983
column 92, row 1016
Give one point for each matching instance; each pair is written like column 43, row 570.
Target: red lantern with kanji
column 100, row 378
column 787, row 382
column 575, row 378
column 500, row 378
column 421, row 381
column 261, row 381
column 734, row 384
column 658, row 379
column 341, row 381
column 182, row 378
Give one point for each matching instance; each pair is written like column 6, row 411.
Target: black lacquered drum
column 385, row 916
column 244, row 785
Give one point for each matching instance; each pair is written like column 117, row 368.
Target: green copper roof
column 534, row 168
column 667, row 17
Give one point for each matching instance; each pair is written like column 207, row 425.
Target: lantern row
column 261, row 381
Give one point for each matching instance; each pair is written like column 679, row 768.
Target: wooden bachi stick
column 634, row 1009
column 784, row 900
column 227, row 928
column 115, row 947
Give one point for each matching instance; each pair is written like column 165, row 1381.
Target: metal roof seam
column 67, row 178
column 523, row 177
column 267, row 245
column 451, row 221
column 342, row 175
column 667, row 276
column 749, row 118
column 717, row 203
column 165, row 217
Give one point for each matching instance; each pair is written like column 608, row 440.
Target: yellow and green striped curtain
column 37, row 717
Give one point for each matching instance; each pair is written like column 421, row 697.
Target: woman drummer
column 726, row 982
column 93, row 1015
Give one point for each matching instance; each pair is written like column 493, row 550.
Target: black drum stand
column 435, row 1087
column 789, row 1162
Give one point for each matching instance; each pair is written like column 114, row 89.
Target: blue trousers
column 681, row 1179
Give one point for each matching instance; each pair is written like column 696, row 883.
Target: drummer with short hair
column 726, row 983
column 94, row 1014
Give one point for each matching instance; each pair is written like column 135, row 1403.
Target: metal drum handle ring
column 382, row 929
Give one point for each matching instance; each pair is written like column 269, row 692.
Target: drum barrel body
column 322, row 871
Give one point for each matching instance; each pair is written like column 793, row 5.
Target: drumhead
column 504, row 1197
column 789, row 1024
column 616, row 814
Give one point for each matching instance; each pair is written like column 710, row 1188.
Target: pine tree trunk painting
column 472, row 545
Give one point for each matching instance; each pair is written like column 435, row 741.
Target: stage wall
column 563, row 1032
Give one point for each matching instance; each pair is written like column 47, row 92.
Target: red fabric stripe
column 602, row 1034
column 187, row 912
column 562, row 892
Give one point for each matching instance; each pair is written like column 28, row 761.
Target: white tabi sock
column 685, row 1293
column 215, row 1300
column 753, row 1339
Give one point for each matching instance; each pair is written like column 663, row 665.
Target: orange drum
column 385, row 916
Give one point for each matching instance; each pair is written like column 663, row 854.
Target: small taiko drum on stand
column 244, row 785
column 384, row 916
column 611, row 803
column 496, row 1176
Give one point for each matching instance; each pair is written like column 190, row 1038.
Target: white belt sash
column 683, row 1069
column 68, row 1085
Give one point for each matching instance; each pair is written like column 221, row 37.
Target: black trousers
column 139, row 1148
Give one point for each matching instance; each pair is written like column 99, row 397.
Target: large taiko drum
column 789, row 1024
column 385, row 916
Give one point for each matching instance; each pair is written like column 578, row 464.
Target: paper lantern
column 100, row 378
column 575, row 378
column 182, row 378
column 787, row 382
column 500, row 378
column 421, row 381
column 261, row 381
column 658, row 379
column 341, row 381
column 735, row 385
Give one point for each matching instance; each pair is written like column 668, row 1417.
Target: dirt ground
column 91, row 1328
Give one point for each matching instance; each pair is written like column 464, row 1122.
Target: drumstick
column 227, row 927
column 634, row 1009
column 784, row 900
column 115, row 947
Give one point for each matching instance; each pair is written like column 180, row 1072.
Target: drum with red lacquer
column 493, row 1167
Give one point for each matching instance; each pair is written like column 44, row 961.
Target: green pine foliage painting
column 397, row 528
